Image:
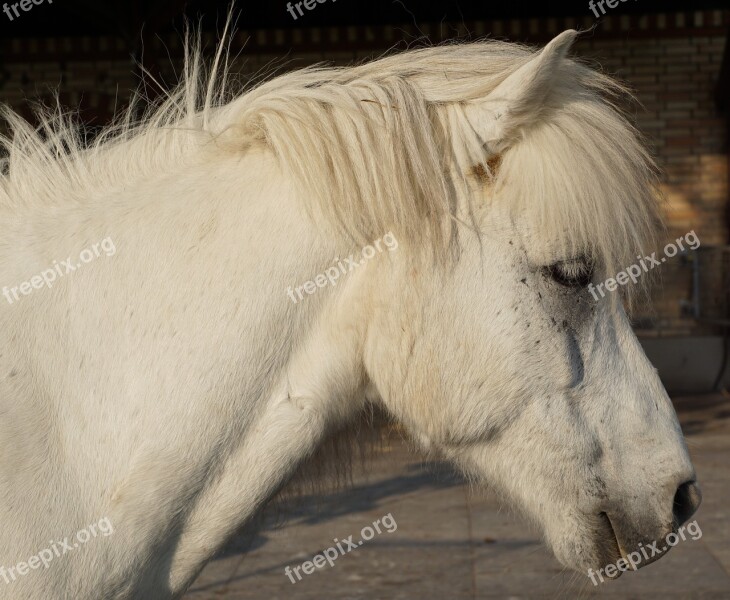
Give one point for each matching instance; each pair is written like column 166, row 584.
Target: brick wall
column 672, row 61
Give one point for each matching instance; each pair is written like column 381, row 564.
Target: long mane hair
column 382, row 146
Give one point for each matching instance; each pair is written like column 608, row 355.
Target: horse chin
column 596, row 546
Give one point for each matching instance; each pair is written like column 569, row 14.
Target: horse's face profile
column 509, row 366
column 506, row 363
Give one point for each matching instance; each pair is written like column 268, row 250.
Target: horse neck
column 203, row 386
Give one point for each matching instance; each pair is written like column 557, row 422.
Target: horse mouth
column 612, row 551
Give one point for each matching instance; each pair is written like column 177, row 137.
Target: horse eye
column 577, row 272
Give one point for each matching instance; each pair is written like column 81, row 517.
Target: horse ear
column 516, row 101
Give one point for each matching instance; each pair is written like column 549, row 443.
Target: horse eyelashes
column 572, row 273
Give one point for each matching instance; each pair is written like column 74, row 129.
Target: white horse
column 173, row 388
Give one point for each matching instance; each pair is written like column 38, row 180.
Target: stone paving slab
column 453, row 542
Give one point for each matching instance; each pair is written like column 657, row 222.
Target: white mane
column 377, row 147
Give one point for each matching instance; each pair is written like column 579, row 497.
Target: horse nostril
column 686, row 501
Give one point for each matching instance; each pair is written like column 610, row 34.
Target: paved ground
column 451, row 543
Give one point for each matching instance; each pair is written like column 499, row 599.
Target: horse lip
column 622, row 553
